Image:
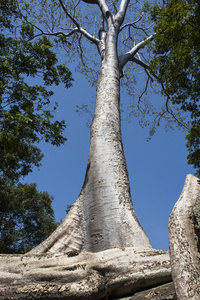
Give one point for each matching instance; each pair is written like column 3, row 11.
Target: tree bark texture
column 103, row 216
column 104, row 275
column 184, row 254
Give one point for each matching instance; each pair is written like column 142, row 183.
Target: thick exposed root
column 113, row 273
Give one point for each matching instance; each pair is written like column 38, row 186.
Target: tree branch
column 72, row 31
column 139, row 62
column 103, row 7
column 102, row 38
column 58, row 33
column 128, row 56
column 122, row 11
column 132, row 23
column 167, row 109
column 90, row 37
column 68, row 14
column 141, row 95
column 102, row 28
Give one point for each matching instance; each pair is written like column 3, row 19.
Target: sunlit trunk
column 103, row 216
column 109, row 219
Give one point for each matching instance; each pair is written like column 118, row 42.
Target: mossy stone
column 196, row 221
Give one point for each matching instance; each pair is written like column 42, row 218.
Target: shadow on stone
column 162, row 292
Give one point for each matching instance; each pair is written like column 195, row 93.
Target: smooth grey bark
column 103, row 216
column 184, row 255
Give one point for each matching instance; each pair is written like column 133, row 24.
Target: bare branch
column 68, row 14
column 132, row 23
column 102, row 28
column 78, row 29
column 138, row 46
column 72, row 31
column 129, row 56
column 122, row 11
column 58, row 33
column 89, row 36
column 143, row 92
column 48, row 33
column 103, row 7
column 81, row 50
column 140, row 62
column 102, row 38
column 167, row 109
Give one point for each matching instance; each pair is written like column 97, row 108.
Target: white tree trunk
column 103, row 216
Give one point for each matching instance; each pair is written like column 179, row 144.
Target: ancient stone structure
column 183, row 241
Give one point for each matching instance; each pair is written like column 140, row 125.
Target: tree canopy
column 26, row 217
column 69, row 25
column 27, row 116
column 176, row 62
column 26, row 111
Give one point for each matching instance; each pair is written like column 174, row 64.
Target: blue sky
column 157, row 169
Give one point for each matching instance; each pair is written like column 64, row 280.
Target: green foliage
column 26, row 118
column 193, row 142
column 26, row 111
column 8, row 10
column 26, row 217
column 176, row 62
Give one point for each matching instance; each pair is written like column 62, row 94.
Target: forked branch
column 78, row 28
column 167, row 109
column 132, row 23
column 104, row 8
column 129, row 56
column 68, row 14
column 122, row 11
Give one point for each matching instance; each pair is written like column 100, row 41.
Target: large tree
column 119, row 32
column 103, row 216
column 102, row 221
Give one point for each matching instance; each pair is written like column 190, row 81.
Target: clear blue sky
column 157, row 169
